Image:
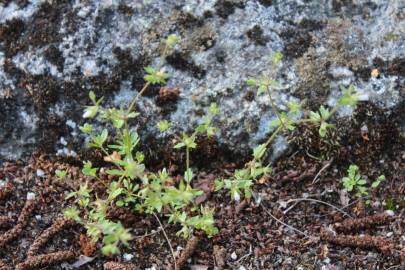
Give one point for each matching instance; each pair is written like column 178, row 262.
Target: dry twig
column 317, row 201
column 283, row 223
column 168, row 241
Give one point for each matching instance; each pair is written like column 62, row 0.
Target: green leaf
column 211, row 131
column 163, row 125
column 293, row 107
column 139, row 156
column 86, row 128
column 381, row 178
column 219, row 184
column 72, row 213
column 155, row 77
column 213, row 108
column 375, row 184
column 201, row 128
column 92, row 96
column 88, row 170
column 188, row 175
column 349, row 98
column 179, row 145
column 259, row 151
column 324, row 128
column 171, row 40
column 61, row 174
column 109, row 250
column 276, row 57
column 90, row 111
column 251, row 82
column 116, row 172
column 120, row 203
column 315, row 117
column 100, row 139
column 362, row 182
column 324, row 112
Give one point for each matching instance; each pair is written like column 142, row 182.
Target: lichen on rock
column 53, row 53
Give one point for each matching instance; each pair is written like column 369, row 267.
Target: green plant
column 163, row 125
column 61, row 174
column 378, row 181
column 132, row 185
column 354, row 182
column 243, row 179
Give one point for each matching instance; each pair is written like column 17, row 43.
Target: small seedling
column 354, row 182
column 163, row 125
column 61, row 174
column 378, row 181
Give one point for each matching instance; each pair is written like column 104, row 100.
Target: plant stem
column 187, row 158
column 273, row 106
column 167, row 239
column 131, row 106
column 146, row 86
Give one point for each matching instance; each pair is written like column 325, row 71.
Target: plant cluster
column 354, row 182
column 133, row 185
column 243, row 180
column 158, row 192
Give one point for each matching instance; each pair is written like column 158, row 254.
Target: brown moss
column 118, row 266
column 6, row 190
column 350, row 225
column 57, row 226
column 21, row 223
column 367, row 241
column 41, row 261
column 188, row 251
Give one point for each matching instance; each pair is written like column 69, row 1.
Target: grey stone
column 52, row 53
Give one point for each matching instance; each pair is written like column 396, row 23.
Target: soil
column 251, row 234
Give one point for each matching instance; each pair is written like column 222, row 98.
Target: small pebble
column 127, row 257
column 390, row 213
column 241, row 268
column 327, row 260
column 40, row 173
column 38, row 217
column 234, row 256
column 390, row 234
column 30, row 196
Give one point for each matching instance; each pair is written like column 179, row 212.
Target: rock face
column 53, row 52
